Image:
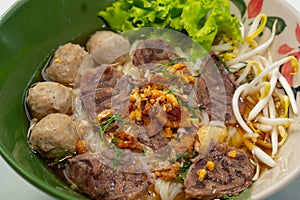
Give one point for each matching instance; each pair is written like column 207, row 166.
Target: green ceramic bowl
column 29, row 32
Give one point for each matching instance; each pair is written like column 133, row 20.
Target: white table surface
column 14, row 187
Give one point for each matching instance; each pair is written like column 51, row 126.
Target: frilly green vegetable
column 203, row 20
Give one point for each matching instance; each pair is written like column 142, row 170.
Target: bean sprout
column 257, row 50
column 264, row 92
column 274, row 132
column 283, row 134
column 264, row 100
column 260, row 154
column 256, row 163
column 289, row 92
column 236, row 110
column 276, row 121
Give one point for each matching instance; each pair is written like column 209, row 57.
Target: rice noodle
column 167, row 190
column 204, row 118
column 217, row 123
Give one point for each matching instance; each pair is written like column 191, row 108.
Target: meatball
column 65, row 63
column 97, row 38
column 113, row 50
column 49, row 97
column 54, row 136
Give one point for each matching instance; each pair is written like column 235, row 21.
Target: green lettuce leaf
column 202, row 20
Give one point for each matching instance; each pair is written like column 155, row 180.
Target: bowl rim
column 10, row 10
column 31, row 178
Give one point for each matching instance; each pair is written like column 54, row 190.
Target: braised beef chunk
column 215, row 90
column 152, row 51
column 232, row 174
column 102, row 94
column 98, row 88
column 101, row 181
column 109, row 77
column 102, row 76
column 155, row 142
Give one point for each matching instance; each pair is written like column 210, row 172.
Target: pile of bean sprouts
column 263, row 90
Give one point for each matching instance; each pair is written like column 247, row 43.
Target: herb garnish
column 170, row 91
column 201, row 107
column 103, row 126
column 185, row 158
column 115, row 139
column 221, row 63
column 198, row 75
column 175, row 61
column 192, row 110
column 162, row 69
column 118, row 152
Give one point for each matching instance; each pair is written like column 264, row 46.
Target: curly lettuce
column 202, row 20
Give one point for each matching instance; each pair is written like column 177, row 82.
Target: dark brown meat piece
column 215, row 90
column 101, row 94
column 152, row 51
column 155, row 142
column 100, row 180
column 109, row 77
column 99, row 88
column 230, row 176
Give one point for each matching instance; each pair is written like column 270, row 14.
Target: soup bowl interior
column 30, row 33
column 32, row 30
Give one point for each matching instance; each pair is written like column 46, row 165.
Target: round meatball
column 97, row 38
column 54, row 136
column 65, row 63
column 114, row 49
column 49, row 97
